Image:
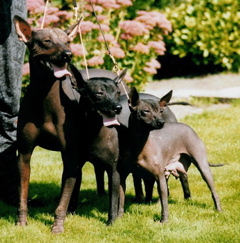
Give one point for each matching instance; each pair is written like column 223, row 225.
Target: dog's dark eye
column 99, row 93
column 145, row 112
column 47, row 41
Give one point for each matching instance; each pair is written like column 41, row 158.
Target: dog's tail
column 216, row 165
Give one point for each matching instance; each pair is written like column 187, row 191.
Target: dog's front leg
column 61, row 211
column 122, row 195
column 24, row 171
column 114, row 186
column 70, row 170
column 163, row 195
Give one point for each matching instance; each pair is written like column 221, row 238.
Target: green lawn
column 194, row 220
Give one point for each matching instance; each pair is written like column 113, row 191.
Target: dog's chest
column 105, row 144
column 150, row 157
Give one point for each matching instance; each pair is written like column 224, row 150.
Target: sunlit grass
column 194, row 220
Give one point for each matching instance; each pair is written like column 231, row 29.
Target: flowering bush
column 135, row 44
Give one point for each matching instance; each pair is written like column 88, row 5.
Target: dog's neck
column 39, row 74
column 137, row 136
column 91, row 119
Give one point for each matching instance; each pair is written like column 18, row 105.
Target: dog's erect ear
column 81, row 82
column 23, row 29
column 121, row 76
column 73, row 30
column 133, row 98
column 165, row 99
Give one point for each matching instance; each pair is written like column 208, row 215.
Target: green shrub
column 208, row 29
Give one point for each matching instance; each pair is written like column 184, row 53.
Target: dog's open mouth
column 58, row 70
column 109, row 121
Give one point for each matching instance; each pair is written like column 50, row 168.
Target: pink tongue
column 110, row 121
column 60, row 71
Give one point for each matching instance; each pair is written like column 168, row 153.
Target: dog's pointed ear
column 121, row 76
column 81, row 82
column 165, row 99
column 73, row 30
column 23, row 29
column 133, row 98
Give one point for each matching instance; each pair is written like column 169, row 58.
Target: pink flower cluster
column 132, row 28
column 35, row 6
column 128, row 78
column 26, row 69
column 151, row 66
column 49, row 19
column 109, row 4
column 78, row 50
column 87, row 26
column 117, row 52
column 158, row 46
column 53, row 13
column 154, row 19
column 141, row 48
column 95, row 61
column 114, row 4
column 108, row 37
column 97, row 8
column 125, row 2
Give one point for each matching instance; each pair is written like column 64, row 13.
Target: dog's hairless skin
column 167, row 116
column 186, row 161
column 150, row 146
column 50, row 114
column 98, row 107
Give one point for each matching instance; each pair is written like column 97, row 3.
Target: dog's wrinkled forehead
column 103, row 84
column 149, row 104
column 54, row 35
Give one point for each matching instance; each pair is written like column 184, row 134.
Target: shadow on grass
column 44, row 199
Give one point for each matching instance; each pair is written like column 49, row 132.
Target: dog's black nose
column 160, row 123
column 118, row 109
column 66, row 56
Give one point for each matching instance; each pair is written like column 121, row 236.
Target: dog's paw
column 57, row 227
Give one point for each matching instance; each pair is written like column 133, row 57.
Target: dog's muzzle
column 118, row 109
column 159, row 123
column 66, row 56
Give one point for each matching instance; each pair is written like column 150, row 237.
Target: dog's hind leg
column 200, row 161
column 186, row 161
column 149, row 184
column 75, row 194
column 185, row 186
column 137, row 181
column 208, row 178
column 99, row 173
